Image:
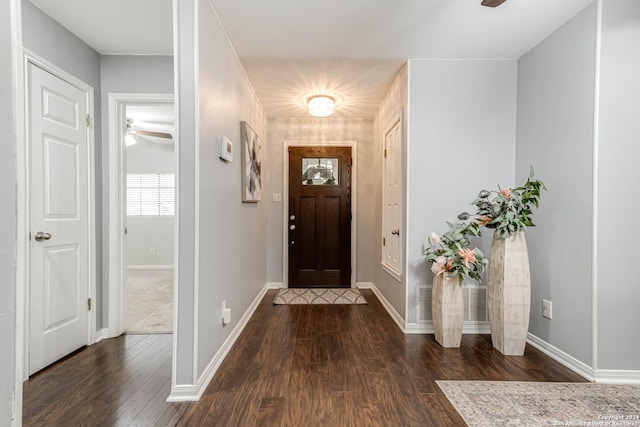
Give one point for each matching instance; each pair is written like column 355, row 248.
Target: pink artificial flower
column 437, row 268
column 482, row 220
column 449, row 264
column 467, row 255
column 506, row 192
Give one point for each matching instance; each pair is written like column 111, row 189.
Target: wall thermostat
column 226, row 149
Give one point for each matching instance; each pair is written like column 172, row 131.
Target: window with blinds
column 151, row 194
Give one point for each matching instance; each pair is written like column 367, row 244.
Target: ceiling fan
column 492, row 3
column 134, row 130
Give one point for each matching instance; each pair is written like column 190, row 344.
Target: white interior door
column 59, row 218
column 392, row 222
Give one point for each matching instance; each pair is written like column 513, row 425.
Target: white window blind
column 151, row 194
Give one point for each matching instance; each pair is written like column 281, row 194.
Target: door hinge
column 29, row 235
column 385, row 153
column 88, row 121
column 384, row 242
column 89, row 304
column 125, row 231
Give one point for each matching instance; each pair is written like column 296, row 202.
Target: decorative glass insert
column 319, row 171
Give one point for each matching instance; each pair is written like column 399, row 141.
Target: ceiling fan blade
column 154, row 134
column 492, row 3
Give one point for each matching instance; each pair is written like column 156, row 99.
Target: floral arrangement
column 451, row 254
column 508, row 210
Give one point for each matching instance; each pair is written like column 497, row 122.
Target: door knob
column 292, row 217
column 292, row 227
column 396, row 232
column 40, row 236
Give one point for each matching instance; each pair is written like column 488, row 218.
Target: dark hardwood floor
column 312, row 365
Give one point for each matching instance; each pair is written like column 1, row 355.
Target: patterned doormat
column 319, row 296
column 510, row 403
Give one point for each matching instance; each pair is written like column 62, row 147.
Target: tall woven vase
column 447, row 307
column 509, row 293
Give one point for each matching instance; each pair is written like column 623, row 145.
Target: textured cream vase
column 509, row 293
column 447, row 306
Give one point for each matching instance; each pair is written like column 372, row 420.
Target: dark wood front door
column 319, row 217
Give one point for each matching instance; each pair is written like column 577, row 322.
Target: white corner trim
column 565, row 359
column 102, row 334
column 186, row 393
column 150, row 267
column 385, row 303
column 610, row 376
column 274, row 285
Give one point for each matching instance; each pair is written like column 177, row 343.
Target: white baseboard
column 385, row 303
column 186, row 393
column 420, row 328
column 610, row 376
column 563, row 358
column 102, row 334
column 150, row 267
column 472, row 328
column 274, row 285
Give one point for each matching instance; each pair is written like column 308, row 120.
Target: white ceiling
column 350, row 49
column 117, row 27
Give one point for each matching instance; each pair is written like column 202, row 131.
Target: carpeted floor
column 510, row 403
column 319, row 296
column 149, row 299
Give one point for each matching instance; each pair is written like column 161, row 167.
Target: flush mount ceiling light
column 321, row 105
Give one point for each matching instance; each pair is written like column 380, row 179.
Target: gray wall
column 317, row 130
column 393, row 104
column 54, row 43
column 214, row 96
column 126, row 74
column 618, row 178
column 233, row 235
column 7, row 214
column 462, row 132
column 150, row 232
column 555, row 134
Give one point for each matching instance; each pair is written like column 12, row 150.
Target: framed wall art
column 251, row 164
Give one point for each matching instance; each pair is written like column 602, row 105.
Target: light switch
column 277, row 197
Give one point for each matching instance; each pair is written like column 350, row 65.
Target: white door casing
column 59, row 204
column 392, row 200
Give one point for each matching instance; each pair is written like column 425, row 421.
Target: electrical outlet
column 226, row 313
column 152, row 251
column 546, row 308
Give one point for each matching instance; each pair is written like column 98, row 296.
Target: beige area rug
column 319, row 296
column 509, row 403
column 149, row 299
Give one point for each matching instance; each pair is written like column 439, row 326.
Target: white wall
column 555, row 135
column 619, row 150
column 8, row 185
column 461, row 140
column 145, row 233
column 317, row 130
column 393, row 104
